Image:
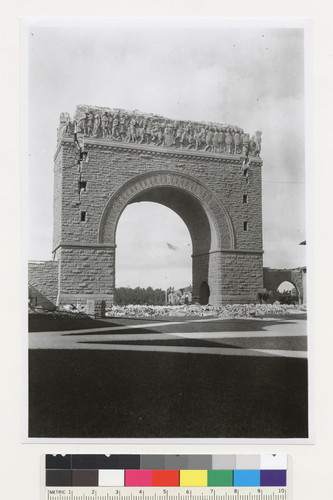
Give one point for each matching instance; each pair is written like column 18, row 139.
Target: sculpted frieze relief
column 122, row 126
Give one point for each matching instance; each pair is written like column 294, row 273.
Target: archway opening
column 287, row 293
column 154, row 248
column 203, row 216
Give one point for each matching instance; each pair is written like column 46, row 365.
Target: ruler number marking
column 229, row 493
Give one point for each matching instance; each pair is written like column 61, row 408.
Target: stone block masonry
column 89, row 271
column 297, row 277
column 43, row 283
column 216, row 190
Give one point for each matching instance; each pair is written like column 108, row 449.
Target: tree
column 287, row 297
column 144, row 296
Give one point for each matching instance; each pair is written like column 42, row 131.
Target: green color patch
column 220, row 478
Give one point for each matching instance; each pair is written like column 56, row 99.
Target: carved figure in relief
column 153, row 132
column 201, row 138
column 169, row 139
column 131, row 133
column 221, row 140
column 228, row 141
column 253, row 146
column 159, row 135
column 133, row 127
column 209, row 140
column 179, row 133
column 141, row 133
column 148, row 131
column 241, row 136
column 122, row 127
column 196, row 139
column 236, row 142
column 105, row 125
column 81, row 124
column 115, row 129
column 190, row 138
column 97, row 125
column 184, row 136
column 216, row 141
column 245, row 148
column 89, row 124
column 110, row 125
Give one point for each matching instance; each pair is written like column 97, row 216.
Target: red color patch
column 165, row 478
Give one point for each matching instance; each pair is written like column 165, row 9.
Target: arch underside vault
column 206, row 218
column 202, row 231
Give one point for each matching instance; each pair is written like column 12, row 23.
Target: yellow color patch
column 193, row 478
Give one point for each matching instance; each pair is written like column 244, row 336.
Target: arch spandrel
column 221, row 229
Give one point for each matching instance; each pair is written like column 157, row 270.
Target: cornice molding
column 150, row 151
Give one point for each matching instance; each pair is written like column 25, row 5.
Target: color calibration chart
column 166, row 477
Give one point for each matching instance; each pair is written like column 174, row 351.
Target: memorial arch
column 107, row 159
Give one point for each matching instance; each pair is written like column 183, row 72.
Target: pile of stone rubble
column 183, row 311
column 227, row 311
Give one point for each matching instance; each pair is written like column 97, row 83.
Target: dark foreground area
column 121, row 394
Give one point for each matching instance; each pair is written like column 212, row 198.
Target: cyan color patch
column 246, row 477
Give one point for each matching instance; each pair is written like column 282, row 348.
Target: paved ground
column 204, row 336
column 178, row 378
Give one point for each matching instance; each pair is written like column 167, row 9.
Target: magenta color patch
column 138, row 477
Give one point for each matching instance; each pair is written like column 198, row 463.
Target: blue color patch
column 246, row 477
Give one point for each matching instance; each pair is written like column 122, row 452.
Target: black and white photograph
column 165, row 175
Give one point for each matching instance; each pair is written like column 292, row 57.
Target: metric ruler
column 196, row 493
column 165, row 477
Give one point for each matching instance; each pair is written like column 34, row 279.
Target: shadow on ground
column 109, row 394
column 55, row 322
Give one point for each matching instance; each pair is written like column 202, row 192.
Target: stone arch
column 205, row 188
column 274, row 277
column 206, row 217
column 294, row 284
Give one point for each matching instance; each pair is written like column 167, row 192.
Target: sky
column 207, row 70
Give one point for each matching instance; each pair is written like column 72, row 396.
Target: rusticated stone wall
column 86, row 272
column 216, row 192
column 43, row 283
column 296, row 276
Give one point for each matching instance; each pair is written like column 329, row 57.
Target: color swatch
column 166, row 471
